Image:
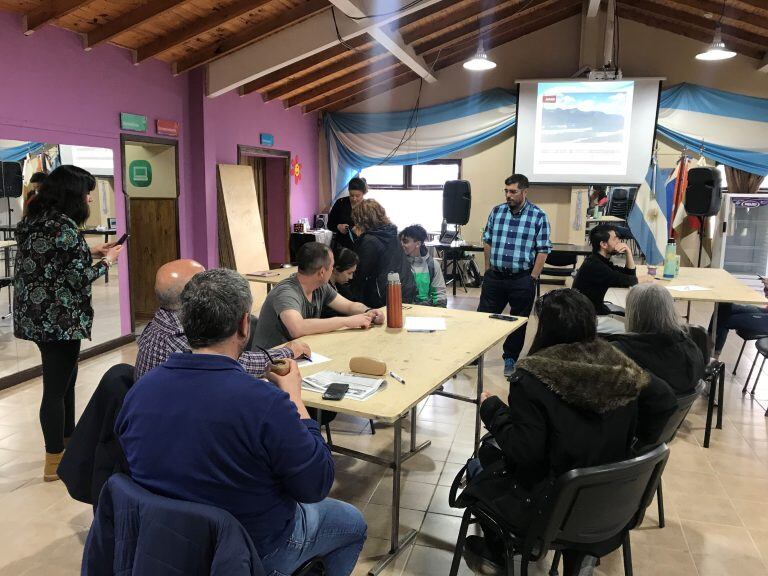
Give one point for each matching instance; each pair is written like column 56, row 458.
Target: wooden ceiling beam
column 295, row 83
column 249, row 36
column 676, row 27
column 297, row 68
column 129, row 20
column 499, row 35
column 730, row 12
column 510, row 15
column 462, row 15
column 405, row 23
column 659, row 8
column 455, row 54
column 362, row 91
column 49, row 11
column 362, row 74
column 197, row 28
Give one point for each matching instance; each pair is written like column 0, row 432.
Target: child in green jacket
column 430, row 284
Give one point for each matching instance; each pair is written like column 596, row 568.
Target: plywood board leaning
column 241, row 235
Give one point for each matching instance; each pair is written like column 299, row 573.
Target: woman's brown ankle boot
column 51, row 465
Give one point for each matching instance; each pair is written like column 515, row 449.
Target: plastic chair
column 590, row 509
column 566, row 266
column 745, row 336
column 762, row 348
column 684, row 404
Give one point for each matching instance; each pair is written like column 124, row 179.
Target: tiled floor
column 715, row 499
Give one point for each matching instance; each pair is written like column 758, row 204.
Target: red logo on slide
column 551, row 99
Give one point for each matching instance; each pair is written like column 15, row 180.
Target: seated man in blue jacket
column 200, row 428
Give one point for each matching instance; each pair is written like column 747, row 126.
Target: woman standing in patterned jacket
column 52, row 295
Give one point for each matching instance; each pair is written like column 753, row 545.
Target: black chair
column 591, row 510
column 762, row 349
column 714, row 376
column 296, row 241
column 684, row 404
column 618, row 203
column 745, row 336
column 566, row 266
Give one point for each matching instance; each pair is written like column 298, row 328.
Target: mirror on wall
column 20, row 160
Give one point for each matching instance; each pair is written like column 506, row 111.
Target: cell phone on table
column 122, row 239
column 503, row 317
column 335, row 391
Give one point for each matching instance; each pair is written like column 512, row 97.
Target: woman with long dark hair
column 340, row 218
column 52, row 295
column 572, row 403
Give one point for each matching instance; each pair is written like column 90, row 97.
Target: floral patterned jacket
column 52, row 284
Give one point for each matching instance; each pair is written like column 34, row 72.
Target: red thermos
column 394, row 301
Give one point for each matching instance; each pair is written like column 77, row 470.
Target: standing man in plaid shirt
column 516, row 246
column 164, row 335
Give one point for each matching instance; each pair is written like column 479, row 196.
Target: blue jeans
column 332, row 529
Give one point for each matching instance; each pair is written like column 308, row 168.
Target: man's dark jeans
column 517, row 290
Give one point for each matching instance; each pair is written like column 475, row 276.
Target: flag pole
column 677, row 198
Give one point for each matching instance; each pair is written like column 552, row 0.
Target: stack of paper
column 421, row 324
column 360, row 387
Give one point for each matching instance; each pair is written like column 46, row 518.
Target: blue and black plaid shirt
column 516, row 239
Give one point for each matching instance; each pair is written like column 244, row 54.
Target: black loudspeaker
column 457, row 201
column 10, row 180
column 702, row 195
column 321, row 221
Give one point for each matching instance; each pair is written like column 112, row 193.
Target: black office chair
column 684, row 404
column 566, row 266
column 590, row 509
column 714, row 376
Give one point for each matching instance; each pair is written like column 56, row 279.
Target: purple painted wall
column 232, row 119
column 57, row 92
column 275, row 180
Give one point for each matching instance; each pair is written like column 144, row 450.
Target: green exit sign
column 133, row 122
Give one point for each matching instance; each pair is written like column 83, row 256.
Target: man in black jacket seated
column 597, row 274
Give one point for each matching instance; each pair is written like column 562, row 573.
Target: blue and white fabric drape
column 729, row 128
column 357, row 141
column 17, row 153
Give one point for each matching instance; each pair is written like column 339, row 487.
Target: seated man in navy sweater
column 200, row 428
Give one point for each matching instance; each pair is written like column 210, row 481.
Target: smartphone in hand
column 122, row 239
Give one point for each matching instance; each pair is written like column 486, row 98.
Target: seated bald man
column 164, row 335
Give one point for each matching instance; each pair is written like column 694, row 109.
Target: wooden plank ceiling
column 191, row 33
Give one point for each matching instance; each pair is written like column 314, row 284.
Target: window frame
column 407, row 177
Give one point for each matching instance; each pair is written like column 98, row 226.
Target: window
column 412, row 194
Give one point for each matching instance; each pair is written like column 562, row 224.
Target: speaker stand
column 698, row 262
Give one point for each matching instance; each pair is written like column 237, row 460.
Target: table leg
column 480, row 363
column 269, row 287
column 396, row 546
column 413, row 429
column 713, row 336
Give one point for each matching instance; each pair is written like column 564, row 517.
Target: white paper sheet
column 314, row 358
column 360, row 387
column 421, row 324
column 688, row 288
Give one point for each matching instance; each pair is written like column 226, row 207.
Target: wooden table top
column 280, row 275
column 722, row 286
column 423, row 359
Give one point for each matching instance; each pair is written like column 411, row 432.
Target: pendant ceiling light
column 716, row 50
column 479, row 61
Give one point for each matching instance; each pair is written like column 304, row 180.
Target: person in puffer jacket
column 430, row 285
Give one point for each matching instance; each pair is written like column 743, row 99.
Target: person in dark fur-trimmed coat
column 573, row 402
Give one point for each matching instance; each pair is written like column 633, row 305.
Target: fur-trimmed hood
column 589, row 375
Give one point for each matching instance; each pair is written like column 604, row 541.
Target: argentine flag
column 649, row 218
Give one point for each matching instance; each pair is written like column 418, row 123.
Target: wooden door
column 154, row 241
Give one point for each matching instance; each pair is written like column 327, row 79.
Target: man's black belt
column 509, row 273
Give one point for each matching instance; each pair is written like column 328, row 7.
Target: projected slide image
column 582, row 127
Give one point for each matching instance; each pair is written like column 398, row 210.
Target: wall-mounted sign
column 133, row 122
column 140, row 173
column 266, row 139
column 167, row 127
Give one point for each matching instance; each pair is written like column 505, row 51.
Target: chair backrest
column 561, row 259
column 618, row 202
column 296, row 241
column 684, row 404
column 762, row 346
column 700, row 337
column 593, row 505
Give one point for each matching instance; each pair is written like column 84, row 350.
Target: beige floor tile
column 449, row 473
column 701, row 508
column 421, row 468
column 356, row 488
column 714, row 539
column 413, row 495
column 698, row 483
column 753, row 515
column 760, row 538
column 374, row 550
column 716, row 565
column 379, row 520
column 671, row 536
column 649, row 561
column 739, row 466
column 439, row 504
column 425, row 561
column 441, row 531
column 742, row 487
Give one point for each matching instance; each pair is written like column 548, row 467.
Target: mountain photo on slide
column 583, row 117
